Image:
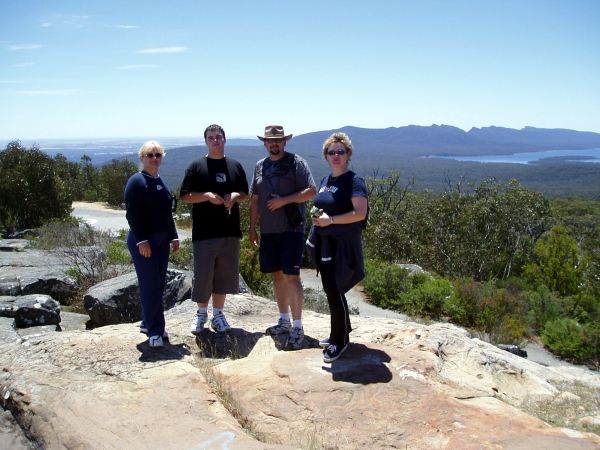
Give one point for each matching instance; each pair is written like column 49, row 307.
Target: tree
column 31, row 193
column 90, row 179
column 114, row 176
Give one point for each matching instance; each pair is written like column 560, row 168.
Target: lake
column 588, row 156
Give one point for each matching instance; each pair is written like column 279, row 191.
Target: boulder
column 30, row 310
column 13, row 245
column 118, row 300
column 35, row 272
column 8, row 333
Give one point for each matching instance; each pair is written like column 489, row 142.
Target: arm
column 276, row 201
column 199, row 197
column 253, row 219
column 358, row 213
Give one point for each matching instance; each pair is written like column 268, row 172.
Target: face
column 275, row 147
column 215, row 141
column 150, row 162
column 336, row 160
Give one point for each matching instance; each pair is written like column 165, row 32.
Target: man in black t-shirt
column 214, row 184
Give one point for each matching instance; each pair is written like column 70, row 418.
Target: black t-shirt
column 335, row 194
column 221, row 176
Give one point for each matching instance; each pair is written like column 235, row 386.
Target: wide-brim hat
column 274, row 132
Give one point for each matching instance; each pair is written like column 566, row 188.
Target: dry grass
column 566, row 410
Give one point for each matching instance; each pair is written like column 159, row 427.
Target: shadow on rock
column 238, row 343
column 360, row 364
column 168, row 352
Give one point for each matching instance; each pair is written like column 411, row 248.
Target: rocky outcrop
column 28, row 271
column 399, row 385
column 30, row 310
column 118, row 300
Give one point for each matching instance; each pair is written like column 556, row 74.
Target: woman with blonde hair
column 336, row 238
column 151, row 229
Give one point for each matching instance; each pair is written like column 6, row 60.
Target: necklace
column 334, row 179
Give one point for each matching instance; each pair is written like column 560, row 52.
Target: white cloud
column 139, row 66
column 51, row 92
column 80, row 17
column 127, row 27
column 25, row 47
column 164, row 50
column 47, row 24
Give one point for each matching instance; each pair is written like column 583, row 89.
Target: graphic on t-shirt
column 221, row 177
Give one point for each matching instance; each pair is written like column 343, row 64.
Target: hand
column 253, row 237
column 145, row 249
column 229, row 200
column 275, row 202
column 175, row 246
column 322, row 221
column 215, row 199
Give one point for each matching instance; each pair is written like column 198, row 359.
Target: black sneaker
column 333, row 352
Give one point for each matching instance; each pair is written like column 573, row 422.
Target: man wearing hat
column 280, row 188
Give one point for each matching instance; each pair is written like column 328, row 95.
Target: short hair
column 149, row 146
column 214, row 127
column 338, row 137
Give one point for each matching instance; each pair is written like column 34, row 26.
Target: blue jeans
column 152, row 275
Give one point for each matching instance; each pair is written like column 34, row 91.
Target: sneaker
column 219, row 324
column 324, row 343
column 333, row 352
column 145, row 330
column 282, row 327
column 156, row 341
column 197, row 325
column 296, row 338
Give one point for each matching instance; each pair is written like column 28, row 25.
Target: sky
column 131, row 68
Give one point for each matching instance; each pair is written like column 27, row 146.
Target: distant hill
column 419, row 141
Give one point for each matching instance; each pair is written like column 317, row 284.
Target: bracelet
column 330, row 219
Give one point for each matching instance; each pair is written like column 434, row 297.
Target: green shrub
column 184, row 258
column 543, row 306
column 427, row 297
column 385, row 282
column 260, row 283
column 569, row 339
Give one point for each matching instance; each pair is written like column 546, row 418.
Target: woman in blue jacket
column 336, row 238
column 151, row 232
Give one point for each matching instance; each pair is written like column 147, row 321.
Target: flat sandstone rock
column 399, row 385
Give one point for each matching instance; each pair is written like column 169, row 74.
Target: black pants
column 340, row 316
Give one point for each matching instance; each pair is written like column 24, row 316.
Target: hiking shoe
column 156, row 341
column 333, row 352
column 324, row 343
column 282, row 327
column 197, row 325
column 219, row 324
column 296, row 338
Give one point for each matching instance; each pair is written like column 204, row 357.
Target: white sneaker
column 156, row 341
column 197, row 325
column 145, row 330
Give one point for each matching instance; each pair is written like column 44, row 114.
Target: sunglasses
column 336, row 152
column 153, row 155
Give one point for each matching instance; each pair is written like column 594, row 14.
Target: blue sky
column 103, row 69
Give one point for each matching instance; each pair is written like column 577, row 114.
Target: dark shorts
column 281, row 251
column 216, row 268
